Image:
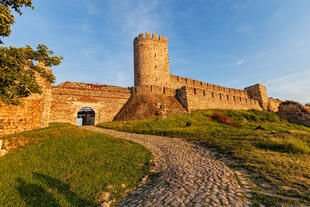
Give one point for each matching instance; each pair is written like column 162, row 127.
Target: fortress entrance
column 85, row 116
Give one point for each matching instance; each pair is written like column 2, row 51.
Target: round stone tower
column 151, row 60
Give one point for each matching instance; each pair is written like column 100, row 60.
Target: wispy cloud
column 91, row 7
column 240, row 62
column 251, row 58
column 138, row 16
column 261, row 54
column 285, row 86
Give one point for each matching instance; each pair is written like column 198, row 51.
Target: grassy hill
column 64, row 165
column 274, row 152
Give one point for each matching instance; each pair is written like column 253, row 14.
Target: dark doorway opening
column 86, row 116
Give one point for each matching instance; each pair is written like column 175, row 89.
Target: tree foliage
column 6, row 17
column 18, row 71
column 307, row 104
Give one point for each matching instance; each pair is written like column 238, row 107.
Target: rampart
column 178, row 82
column 32, row 113
column 69, row 97
column 294, row 112
column 197, row 98
column 151, row 89
column 151, row 60
column 155, row 93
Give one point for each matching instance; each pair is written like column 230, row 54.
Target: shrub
column 224, row 119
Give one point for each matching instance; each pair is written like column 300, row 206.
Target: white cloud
column 240, row 62
column 134, row 17
column 261, row 54
column 291, row 86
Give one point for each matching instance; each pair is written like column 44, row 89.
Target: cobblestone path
column 188, row 175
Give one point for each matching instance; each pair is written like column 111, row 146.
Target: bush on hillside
column 224, row 119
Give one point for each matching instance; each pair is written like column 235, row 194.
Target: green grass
column 279, row 154
column 69, row 166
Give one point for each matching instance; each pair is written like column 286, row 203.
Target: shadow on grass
column 35, row 195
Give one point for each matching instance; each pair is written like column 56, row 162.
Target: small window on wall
column 204, row 93
column 195, row 92
column 155, row 66
column 155, row 55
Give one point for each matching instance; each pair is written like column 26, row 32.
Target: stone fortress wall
column 69, row 97
column 32, row 113
column 151, row 77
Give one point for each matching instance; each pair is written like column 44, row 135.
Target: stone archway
column 86, row 116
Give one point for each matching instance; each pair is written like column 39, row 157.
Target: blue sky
column 233, row 43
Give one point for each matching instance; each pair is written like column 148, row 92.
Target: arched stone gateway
column 85, row 116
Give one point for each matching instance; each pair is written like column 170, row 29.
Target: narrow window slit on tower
column 204, row 93
column 195, row 92
column 164, row 90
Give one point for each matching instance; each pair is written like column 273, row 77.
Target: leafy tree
column 18, row 70
column 307, row 104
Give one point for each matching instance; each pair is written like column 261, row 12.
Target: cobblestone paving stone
column 187, row 175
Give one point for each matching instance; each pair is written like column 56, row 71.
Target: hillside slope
column 142, row 106
column 273, row 151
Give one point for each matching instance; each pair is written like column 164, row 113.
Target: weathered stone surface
column 294, row 112
column 151, row 78
column 69, row 97
column 32, row 113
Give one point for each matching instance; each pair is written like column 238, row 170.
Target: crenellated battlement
column 152, row 75
column 178, row 82
column 149, row 36
column 198, row 98
column 151, row 60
